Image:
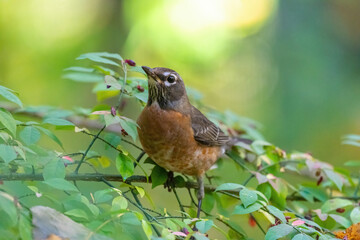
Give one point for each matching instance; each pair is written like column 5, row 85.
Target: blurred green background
column 292, row 65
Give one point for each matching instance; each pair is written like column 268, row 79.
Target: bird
column 174, row 133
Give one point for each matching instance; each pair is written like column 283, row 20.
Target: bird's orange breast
column 167, row 137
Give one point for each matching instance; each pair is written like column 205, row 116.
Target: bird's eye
column 171, row 79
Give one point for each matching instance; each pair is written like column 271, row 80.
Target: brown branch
column 93, row 177
column 99, row 177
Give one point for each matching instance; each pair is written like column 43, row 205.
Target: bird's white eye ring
column 171, row 79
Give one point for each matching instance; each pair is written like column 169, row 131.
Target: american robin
column 175, row 134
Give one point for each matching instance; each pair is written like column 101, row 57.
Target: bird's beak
column 149, row 71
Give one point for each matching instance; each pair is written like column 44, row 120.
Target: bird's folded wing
column 205, row 131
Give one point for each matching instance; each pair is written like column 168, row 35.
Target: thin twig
column 88, row 149
column 147, row 215
column 112, row 146
column 139, row 158
column 178, row 200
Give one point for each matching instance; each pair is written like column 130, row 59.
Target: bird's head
column 166, row 87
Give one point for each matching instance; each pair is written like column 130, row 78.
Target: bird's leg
column 200, row 193
column 169, row 184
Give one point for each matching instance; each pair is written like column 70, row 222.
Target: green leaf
column 327, row 237
column 110, row 119
column 113, row 139
column 302, row 236
column 61, row 184
column 84, row 77
column 93, row 209
column 353, row 137
column 208, row 202
column 7, row 93
column 158, row 176
column 57, row 122
column 334, row 177
column 341, row 220
column 172, row 225
column 8, row 206
column 278, row 196
column 8, row 121
column 353, row 163
column 101, row 57
column 137, row 69
column 104, row 70
column 119, row 203
column 204, row 226
column 105, row 94
column 5, row 136
column 353, row 143
column 30, row 135
column 199, row 236
column 142, row 96
column 229, row 186
column 308, row 193
column 140, row 190
column 333, row 204
column 25, row 228
column 124, row 165
column 311, row 223
column 77, row 213
column 261, row 195
column 240, row 209
column 129, row 126
column 265, row 189
column 7, row 153
column 258, row 146
column 111, row 81
column 355, row 215
column 248, row 197
column 179, row 181
column 20, row 151
column 102, row 196
column 278, row 231
column 79, row 69
column 277, row 213
column 147, row 229
column 54, row 169
column 50, row 135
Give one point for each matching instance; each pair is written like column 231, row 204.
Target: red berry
column 140, row 88
column 123, row 132
column 130, row 62
column 113, row 111
column 320, row 181
column 340, row 210
column 252, row 221
column 277, row 221
column 184, row 230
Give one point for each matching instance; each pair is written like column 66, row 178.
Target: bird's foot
column 170, row 183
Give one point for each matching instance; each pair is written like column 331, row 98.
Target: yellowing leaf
column 147, row 229
column 141, row 191
column 104, row 161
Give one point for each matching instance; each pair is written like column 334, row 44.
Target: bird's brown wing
column 205, row 131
